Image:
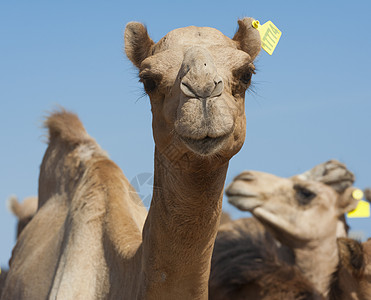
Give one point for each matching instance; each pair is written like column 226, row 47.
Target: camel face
column 196, row 78
column 294, row 209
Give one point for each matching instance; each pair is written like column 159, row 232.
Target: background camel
column 246, row 256
column 301, row 214
column 86, row 240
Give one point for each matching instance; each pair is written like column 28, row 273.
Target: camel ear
column 138, row 44
column 346, row 202
column 248, row 38
column 351, row 254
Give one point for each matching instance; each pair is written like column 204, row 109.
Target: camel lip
column 240, row 195
column 206, row 145
column 245, row 203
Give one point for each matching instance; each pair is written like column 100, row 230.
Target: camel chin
column 205, row 146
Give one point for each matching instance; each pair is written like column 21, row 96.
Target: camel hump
column 66, row 126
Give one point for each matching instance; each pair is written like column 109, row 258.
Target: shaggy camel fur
column 332, row 173
column 87, row 240
column 248, row 263
column 352, row 279
column 301, row 214
column 23, row 211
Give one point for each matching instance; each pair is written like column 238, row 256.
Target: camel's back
column 61, row 253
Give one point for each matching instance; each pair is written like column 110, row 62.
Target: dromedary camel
column 302, row 215
column 247, row 262
column 87, row 240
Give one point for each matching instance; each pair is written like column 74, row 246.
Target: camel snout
column 199, row 76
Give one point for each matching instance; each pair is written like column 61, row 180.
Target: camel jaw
column 205, row 146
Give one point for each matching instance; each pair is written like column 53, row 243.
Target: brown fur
column 88, row 239
column 247, row 263
column 352, row 279
column 3, row 276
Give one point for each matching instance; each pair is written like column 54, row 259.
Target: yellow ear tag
column 269, row 34
column 363, row 208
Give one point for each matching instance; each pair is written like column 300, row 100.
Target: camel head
column 295, row 210
column 335, row 174
column 196, row 79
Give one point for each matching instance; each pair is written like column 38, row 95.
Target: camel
column 91, row 237
column 246, row 256
column 23, row 211
column 352, row 278
column 248, row 263
column 302, row 214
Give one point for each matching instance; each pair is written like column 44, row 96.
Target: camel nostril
column 187, row 90
column 218, row 87
column 246, row 176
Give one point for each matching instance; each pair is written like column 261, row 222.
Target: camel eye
column 246, row 77
column 149, row 84
column 303, row 195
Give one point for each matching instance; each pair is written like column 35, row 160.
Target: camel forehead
column 263, row 178
column 192, row 36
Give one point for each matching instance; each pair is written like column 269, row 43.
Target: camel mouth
column 245, row 202
column 205, row 146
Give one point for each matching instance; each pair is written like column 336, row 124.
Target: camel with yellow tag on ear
column 302, row 214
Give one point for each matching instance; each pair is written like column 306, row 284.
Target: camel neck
column 181, row 226
column 318, row 261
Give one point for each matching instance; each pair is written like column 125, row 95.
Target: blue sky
column 311, row 100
